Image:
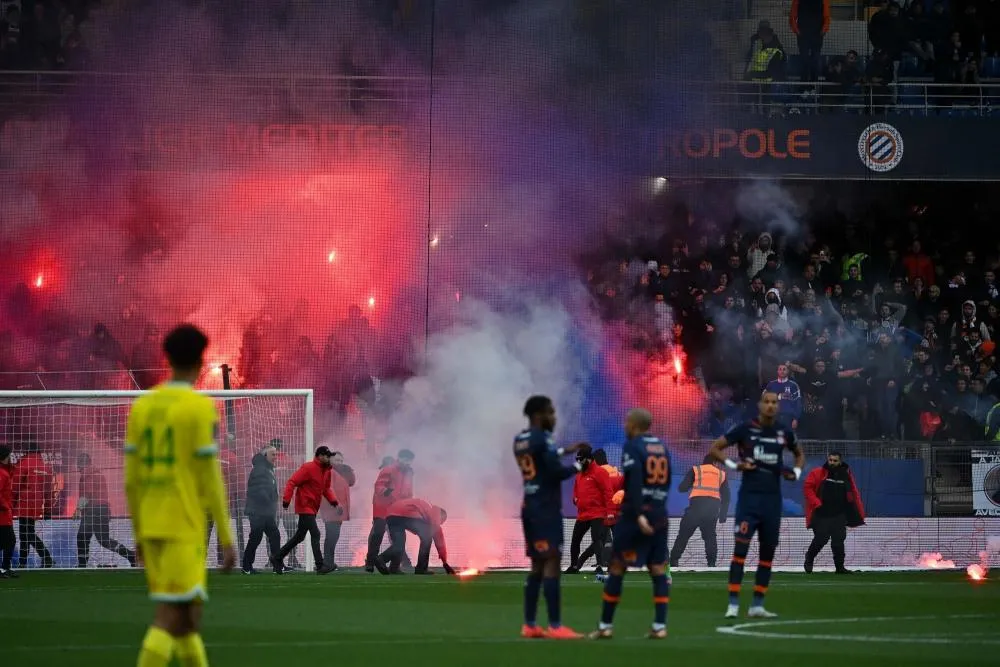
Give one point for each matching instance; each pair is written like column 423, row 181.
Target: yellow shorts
column 175, row 571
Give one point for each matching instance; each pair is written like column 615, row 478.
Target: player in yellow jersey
column 172, row 478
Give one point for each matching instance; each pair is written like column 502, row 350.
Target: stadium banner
column 986, row 482
column 880, row 543
column 845, row 146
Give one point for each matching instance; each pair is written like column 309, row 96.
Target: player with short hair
column 640, row 536
column 172, row 477
column 761, row 444
column 542, row 474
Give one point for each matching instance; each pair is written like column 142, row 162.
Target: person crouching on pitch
column 423, row 520
column 310, row 484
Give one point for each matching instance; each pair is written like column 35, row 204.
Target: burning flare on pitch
column 935, row 561
column 469, row 573
column 978, row 571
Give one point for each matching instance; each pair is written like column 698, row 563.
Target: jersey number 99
column 153, row 451
column 527, row 465
column 657, row 470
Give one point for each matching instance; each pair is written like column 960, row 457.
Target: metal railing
column 916, row 98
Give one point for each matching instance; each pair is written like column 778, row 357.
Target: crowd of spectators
column 43, row 34
column 874, row 327
column 954, row 42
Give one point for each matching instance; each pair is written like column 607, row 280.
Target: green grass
column 92, row 618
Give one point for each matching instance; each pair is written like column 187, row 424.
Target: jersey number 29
column 657, row 470
column 527, row 465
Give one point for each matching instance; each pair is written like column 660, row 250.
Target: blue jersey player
column 761, row 444
column 542, row 474
column 640, row 536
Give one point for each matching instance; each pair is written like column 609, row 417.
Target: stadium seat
column 794, row 68
column 991, row 67
column 910, row 66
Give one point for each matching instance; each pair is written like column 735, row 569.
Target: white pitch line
column 749, row 630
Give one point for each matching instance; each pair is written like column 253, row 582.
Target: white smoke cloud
column 767, row 204
column 460, row 415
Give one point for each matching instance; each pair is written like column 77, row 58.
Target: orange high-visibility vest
column 707, row 481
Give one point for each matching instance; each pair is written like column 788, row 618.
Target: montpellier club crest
column 881, row 147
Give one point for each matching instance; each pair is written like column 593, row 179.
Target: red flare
column 39, row 281
column 678, row 367
column 976, row 572
column 469, row 573
column 935, row 561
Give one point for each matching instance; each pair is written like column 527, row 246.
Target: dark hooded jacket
column 262, row 489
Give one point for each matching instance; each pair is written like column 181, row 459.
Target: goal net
column 68, row 445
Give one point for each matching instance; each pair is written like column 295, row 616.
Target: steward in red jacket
column 33, row 496
column 310, row 484
column 423, row 520
column 7, row 540
column 833, row 504
column 592, row 493
column 394, row 482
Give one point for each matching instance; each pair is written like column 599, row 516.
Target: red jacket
column 415, row 508
column 341, row 480
column 919, row 266
column 810, row 489
column 310, row 484
column 6, row 497
column 592, row 493
column 93, row 488
column 33, row 481
column 393, row 483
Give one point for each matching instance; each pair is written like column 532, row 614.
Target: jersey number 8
column 153, row 451
column 657, row 470
column 527, row 464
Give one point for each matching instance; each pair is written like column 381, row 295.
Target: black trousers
column 831, row 529
column 95, row 521
column 259, row 527
column 375, row 540
column 810, row 45
column 700, row 515
column 598, row 532
column 398, row 527
column 7, row 542
column 28, row 537
column 330, row 541
column 307, row 526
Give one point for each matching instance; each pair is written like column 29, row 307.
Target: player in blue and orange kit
column 541, row 515
column 640, row 536
column 761, row 444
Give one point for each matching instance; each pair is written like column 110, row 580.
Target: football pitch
column 348, row 618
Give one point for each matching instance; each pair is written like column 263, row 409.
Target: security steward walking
column 833, row 504
column 708, row 502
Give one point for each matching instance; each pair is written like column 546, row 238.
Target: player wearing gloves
column 423, row 520
column 761, row 444
column 310, row 484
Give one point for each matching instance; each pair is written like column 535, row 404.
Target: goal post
column 60, row 490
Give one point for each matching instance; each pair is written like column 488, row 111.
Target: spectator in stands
column 342, row 479
column 919, row 34
column 845, row 74
column 810, row 21
column 886, row 31
column 886, row 374
column 989, row 14
column 971, row 28
column 789, row 396
column 765, row 64
column 879, row 77
column 968, row 326
column 919, row 265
